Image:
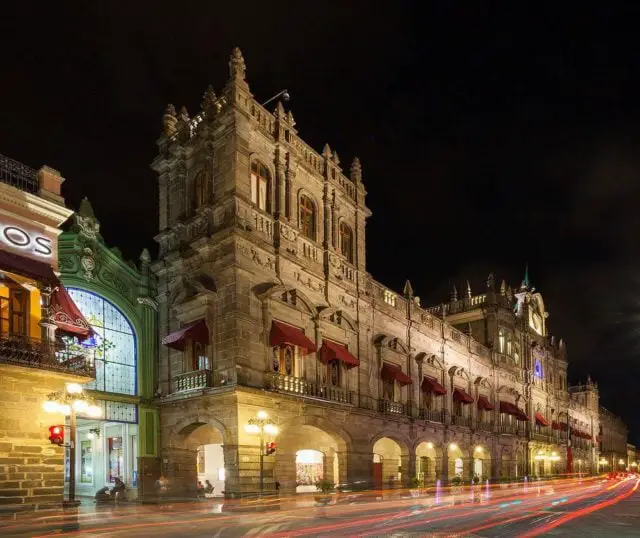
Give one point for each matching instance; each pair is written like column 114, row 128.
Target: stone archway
column 308, row 452
column 195, row 452
column 428, row 462
column 481, row 465
column 390, row 463
column 459, row 462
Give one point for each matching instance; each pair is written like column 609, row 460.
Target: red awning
column 508, row 408
column 39, row 271
column 391, row 371
column 331, row 351
column 196, row 331
column 283, row 333
column 429, row 384
column 484, row 404
column 67, row 315
column 512, row 409
column 460, row 395
column 541, row 420
column 597, row 438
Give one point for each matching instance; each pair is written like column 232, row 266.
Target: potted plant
column 324, row 488
column 415, row 487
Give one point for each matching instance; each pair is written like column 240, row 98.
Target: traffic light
column 56, row 435
column 271, row 448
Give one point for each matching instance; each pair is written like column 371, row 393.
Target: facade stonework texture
column 264, row 240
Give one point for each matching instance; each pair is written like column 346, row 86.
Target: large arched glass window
column 346, row 241
column 260, row 186
column 307, row 217
column 501, row 341
column 115, row 341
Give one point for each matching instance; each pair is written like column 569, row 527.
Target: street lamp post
column 73, row 400
column 260, row 425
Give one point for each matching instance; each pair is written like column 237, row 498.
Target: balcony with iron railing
column 301, row 387
column 484, row 426
column 388, row 407
column 459, row 420
column 24, row 351
column 541, row 433
column 18, row 175
column 433, row 415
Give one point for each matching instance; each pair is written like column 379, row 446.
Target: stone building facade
column 613, row 442
column 265, row 304
column 118, row 300
column 34, row 362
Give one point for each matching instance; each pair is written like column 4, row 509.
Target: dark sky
column 489, row 137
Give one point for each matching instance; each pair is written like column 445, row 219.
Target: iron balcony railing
column 302, row 387
column 21, row 350
column 18, row 175
column 433, row 415
column 391, row 408
column 485, row 426
column 457, row 420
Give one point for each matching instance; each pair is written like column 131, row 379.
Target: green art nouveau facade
column 116, row 298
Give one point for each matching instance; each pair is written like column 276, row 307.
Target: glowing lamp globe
column 51, row 406
column 94, row 411
column 80, row 406
column 65, row 409
column 271, row 429
column 74, row 388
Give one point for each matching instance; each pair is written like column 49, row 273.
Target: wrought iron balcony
column 198, row 379
column 21, row 350
column 18, row 175
column 433, row 415
column 391, row 408
column 484, row 426
column 508, row 428
column 302, row 387
column 541, row 434
column 457, row 420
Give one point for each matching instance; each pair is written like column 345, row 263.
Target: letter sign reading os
column 16, row 237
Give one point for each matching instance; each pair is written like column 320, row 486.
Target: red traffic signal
column 56, row 435
column 271, row 448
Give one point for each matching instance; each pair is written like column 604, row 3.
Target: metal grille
column 18, row 175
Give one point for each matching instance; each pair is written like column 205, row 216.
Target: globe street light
column 261, row 425
column 69, row 402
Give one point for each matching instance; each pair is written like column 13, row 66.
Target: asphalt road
column 589, row 507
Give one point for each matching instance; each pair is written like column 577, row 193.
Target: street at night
column 588, row 507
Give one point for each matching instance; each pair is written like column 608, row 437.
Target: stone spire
column 335, row 157
column 468, row 290
column 209, row 101
column 491, row 282
column 407, row 290
column 525, row 280
column 503, row 287
column 326, row 151
column 85, row 221
column 454, row 293
column 169, row 120
column 237, row 67
column 86, row 209
column 356, row 170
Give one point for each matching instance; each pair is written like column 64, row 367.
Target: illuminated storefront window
column 115, row 352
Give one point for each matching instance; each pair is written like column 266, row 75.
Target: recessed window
column 501, row 341
column 200, row 188
column 307, row 217
column 389, row 298
column 388, row 389
column 260, row 186
column 346, row 241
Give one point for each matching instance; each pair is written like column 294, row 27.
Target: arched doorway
column 458, row 463
column 307, row 454
column 481, row 463
column 196, row 455
column 427, row 463
column 387, row 463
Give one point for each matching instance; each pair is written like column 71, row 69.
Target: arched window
column 509, row 346
column 260, row 186
column 200, row 190
column 501, row 341
column 115, row 343
column 346, row 241
column 334, row 373
column 307, row 217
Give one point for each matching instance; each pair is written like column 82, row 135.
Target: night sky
column 489, row 138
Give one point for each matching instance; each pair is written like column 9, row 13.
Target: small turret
column 169, row 120
column 407, row 290
column 468, row 290
column 356, row 170
column 454, row 293
column 326, row 151
column 491, row 282
column 237, row 67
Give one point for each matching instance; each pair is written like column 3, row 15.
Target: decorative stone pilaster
column 46, row 322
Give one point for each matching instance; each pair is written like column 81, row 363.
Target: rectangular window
column 262, row 195
column 389, row 298
column 388, row 389
column 254, row 189
column 14, row 306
